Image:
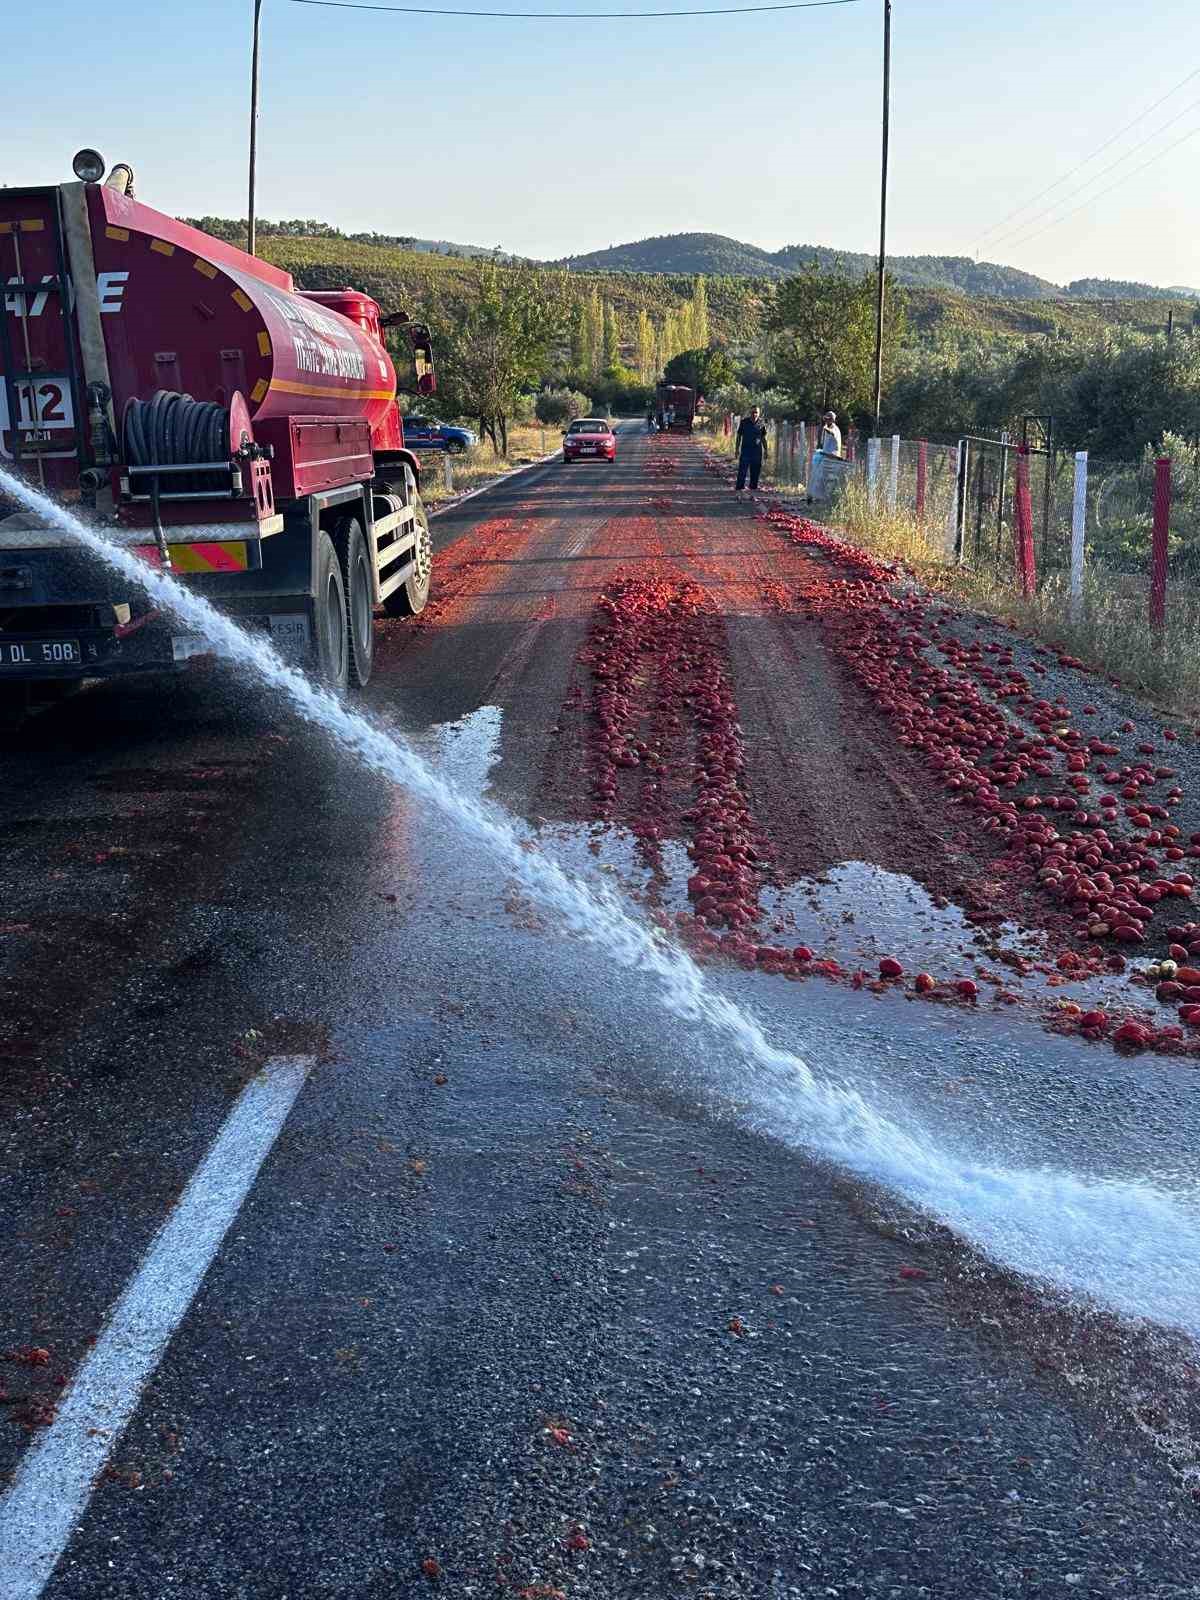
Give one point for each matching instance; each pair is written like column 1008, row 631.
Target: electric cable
column 1104, row 171
column 1124, row 178
column 575, row 16
column 1088, row 159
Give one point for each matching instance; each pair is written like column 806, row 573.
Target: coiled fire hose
column 172, row 429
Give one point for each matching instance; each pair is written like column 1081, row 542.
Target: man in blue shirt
column 751, row 441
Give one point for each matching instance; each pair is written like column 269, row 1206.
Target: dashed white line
column 58, row 1471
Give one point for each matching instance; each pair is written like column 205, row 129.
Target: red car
column 589, row 439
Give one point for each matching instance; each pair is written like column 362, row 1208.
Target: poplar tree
column 646, row 367
column 612, row 338
column 594, row 340
column 699, row 331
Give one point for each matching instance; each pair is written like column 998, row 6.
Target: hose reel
column 172, row 432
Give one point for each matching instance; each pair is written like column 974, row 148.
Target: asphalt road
column 540, row 1290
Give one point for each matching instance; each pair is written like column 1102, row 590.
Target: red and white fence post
column 922, row 477
column 1158, row 548
column 1026, row 567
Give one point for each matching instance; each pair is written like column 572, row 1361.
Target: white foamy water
column 1132, row 1246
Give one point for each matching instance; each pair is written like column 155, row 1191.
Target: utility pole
column 883, row 194
column 251, row 232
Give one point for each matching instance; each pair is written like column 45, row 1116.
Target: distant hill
column 432, row 285
column 1119, row 289
column 716, row 255
column 710, row 253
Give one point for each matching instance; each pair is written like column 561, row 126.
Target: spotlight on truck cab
column 88, row 166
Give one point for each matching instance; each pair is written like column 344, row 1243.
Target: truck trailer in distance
column 675, row 407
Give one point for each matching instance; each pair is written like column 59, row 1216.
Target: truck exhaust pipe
column 121, row 179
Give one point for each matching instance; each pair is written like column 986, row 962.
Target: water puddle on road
column 854, row 914
column 857, row 913
column 988, row 1075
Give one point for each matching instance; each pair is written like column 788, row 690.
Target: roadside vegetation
column 1107, row 633
column 527, row 441
column 957, row 362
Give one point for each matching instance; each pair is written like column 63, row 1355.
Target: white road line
column 56, row 1475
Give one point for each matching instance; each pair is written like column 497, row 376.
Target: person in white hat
column 829, row 448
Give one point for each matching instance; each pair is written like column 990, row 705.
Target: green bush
column 619, row 389
column 705, row 370
column 561, row 405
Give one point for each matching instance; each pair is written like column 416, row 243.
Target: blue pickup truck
column 427, row 433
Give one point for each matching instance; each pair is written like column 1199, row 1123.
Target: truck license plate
column 39, row 653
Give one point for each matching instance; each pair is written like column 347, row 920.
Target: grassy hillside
column 422, row 283
column 962, row 318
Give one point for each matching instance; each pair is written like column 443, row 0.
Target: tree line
column 520, row 339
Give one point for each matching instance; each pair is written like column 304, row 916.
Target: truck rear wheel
column 411, row 598
column 360, row 622
column 332, row 627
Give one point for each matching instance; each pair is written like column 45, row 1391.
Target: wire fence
column 1119, row 534
column 1093, row 522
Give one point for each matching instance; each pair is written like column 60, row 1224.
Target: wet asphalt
column 540, row 1283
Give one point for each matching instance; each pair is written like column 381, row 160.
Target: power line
column 1087, row 160
column 1104, row 171
column 1124, row 178
column 575, row 16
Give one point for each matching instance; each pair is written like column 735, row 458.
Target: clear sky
column 553, row 138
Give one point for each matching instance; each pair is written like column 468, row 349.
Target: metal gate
column 985, row 517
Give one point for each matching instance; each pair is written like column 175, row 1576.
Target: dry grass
column 480, row 466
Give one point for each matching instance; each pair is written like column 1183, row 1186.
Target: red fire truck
column 203, row 411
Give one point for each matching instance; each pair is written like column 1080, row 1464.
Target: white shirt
column 831, row 439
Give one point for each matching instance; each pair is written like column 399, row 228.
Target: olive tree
column 561, row 405
column 496, row 342
column 823, row 338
